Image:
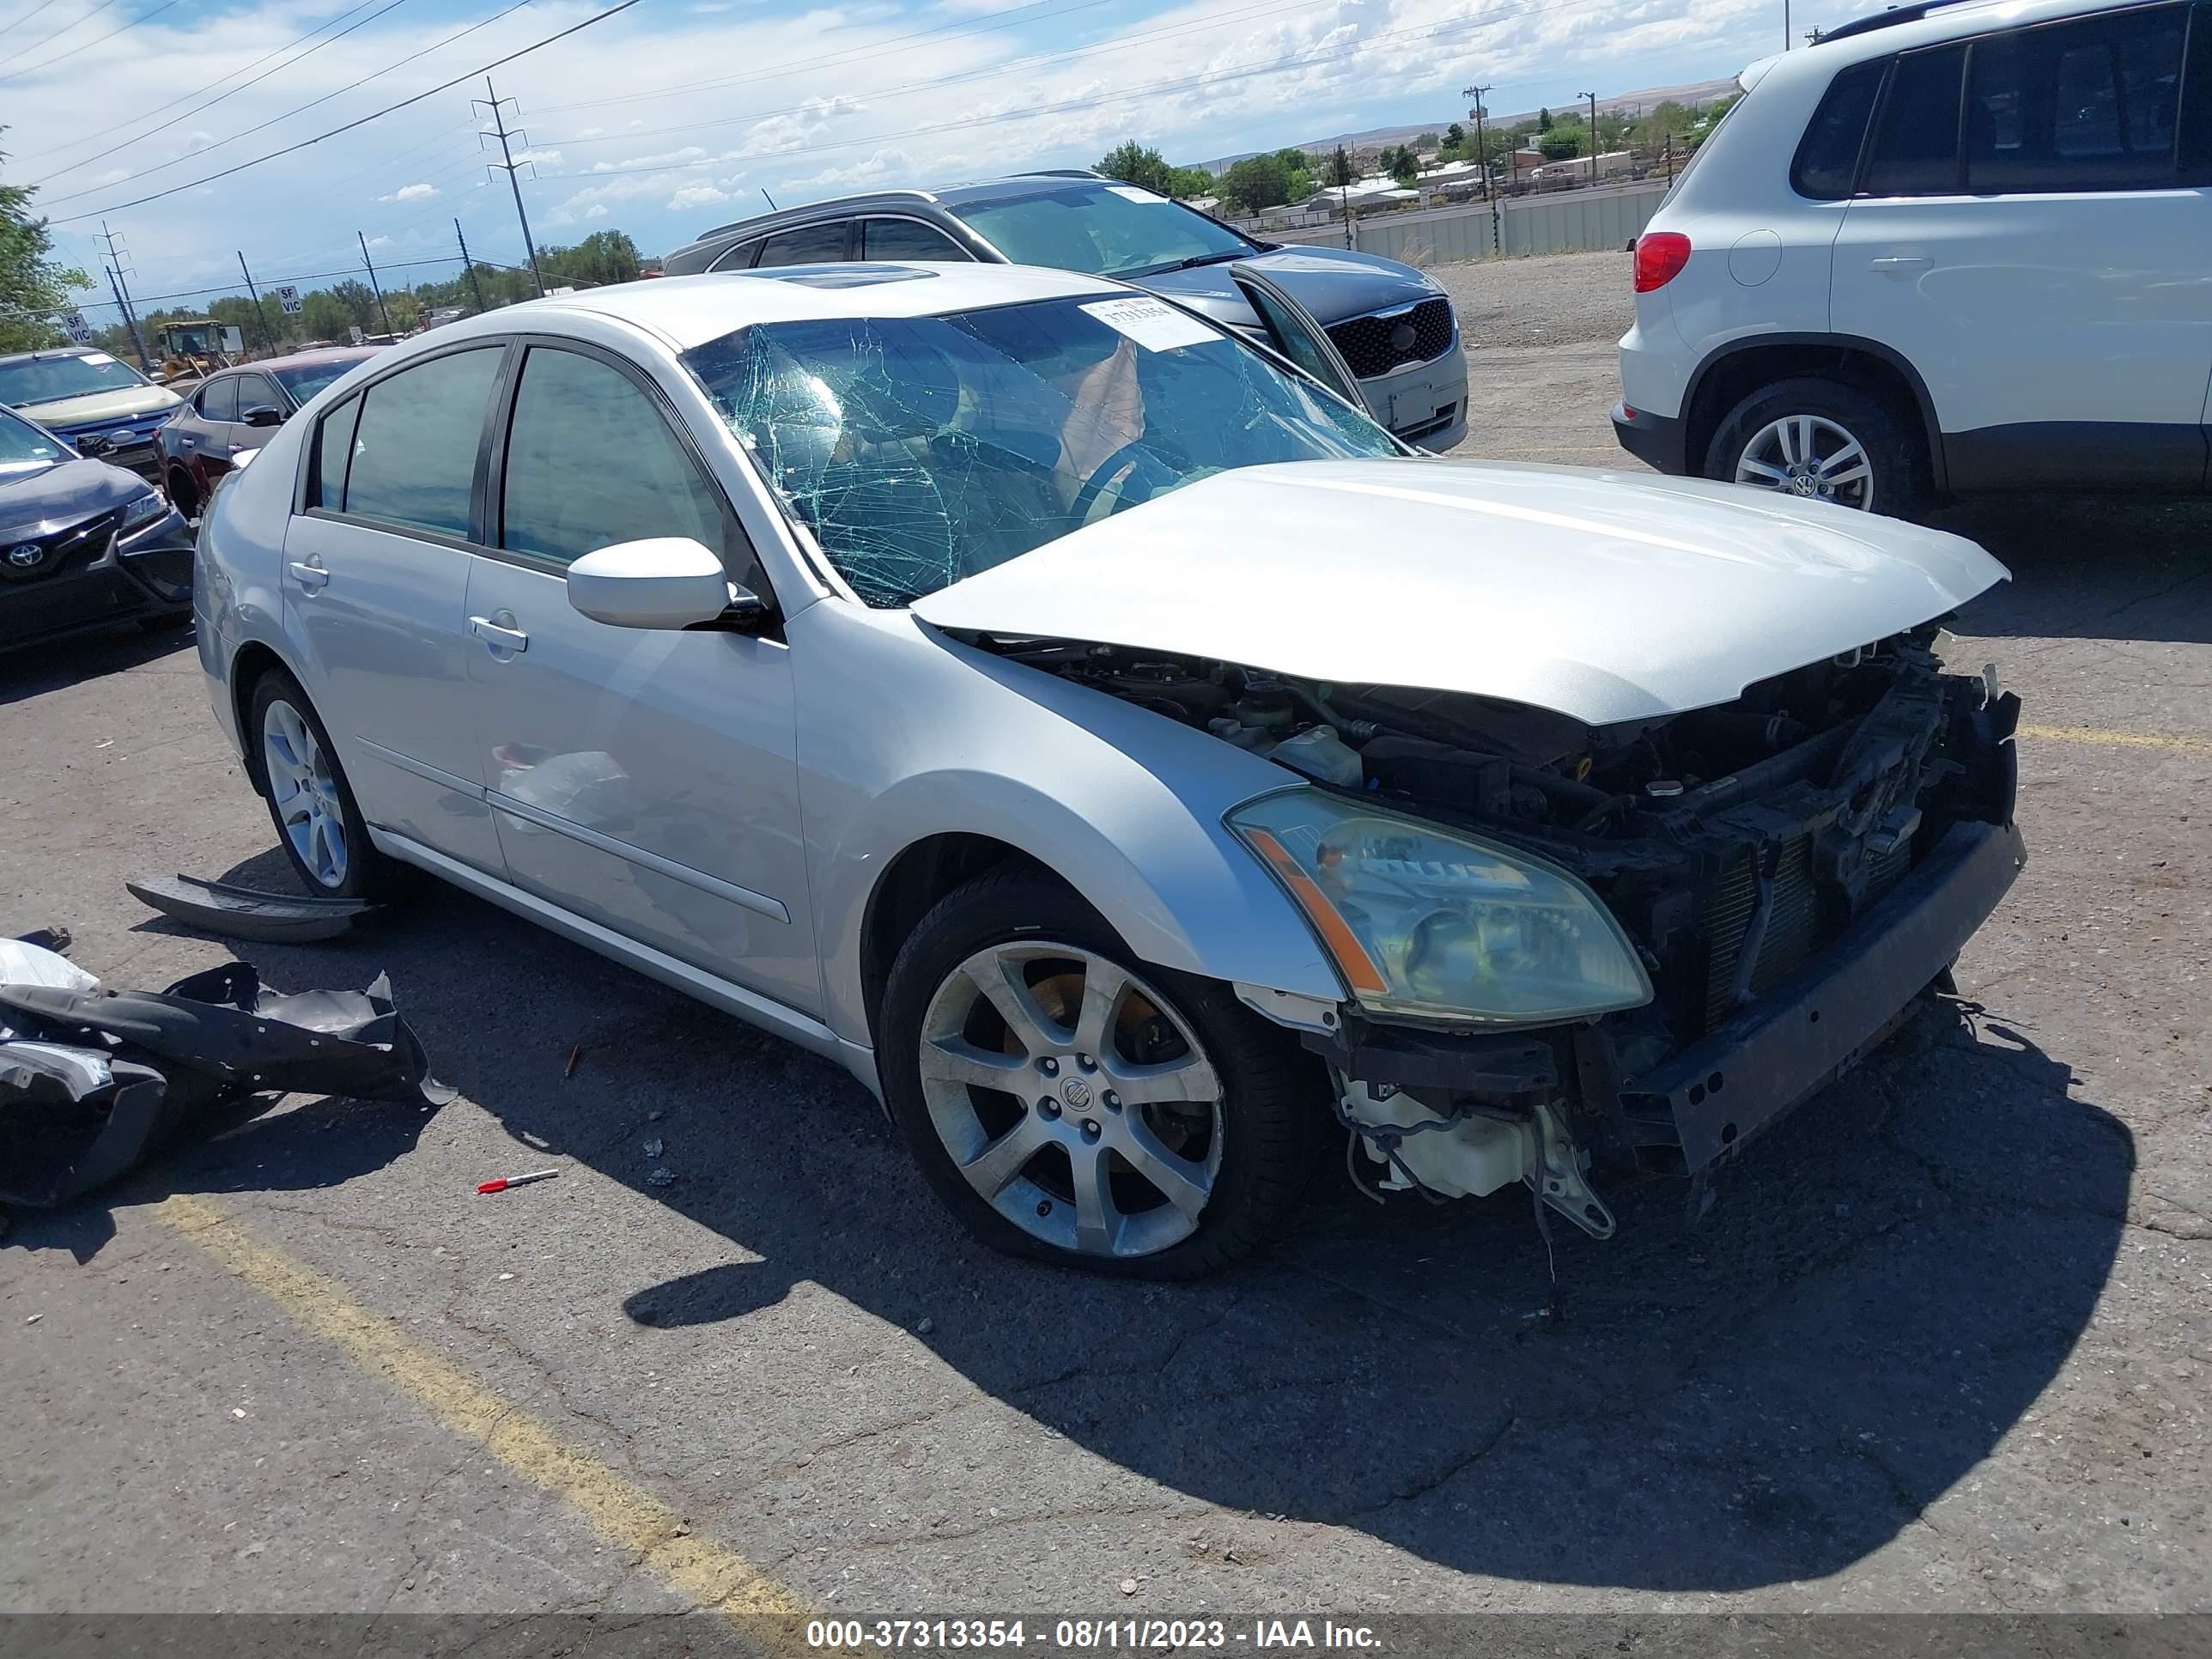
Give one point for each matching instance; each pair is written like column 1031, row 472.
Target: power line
column 306, row 143
column 99, row 156
column 128, row 23
column 18, row 22
column 1217, row 20
column 507, row 164
column 66, row 28
column 1205, row 81
column 276, row 120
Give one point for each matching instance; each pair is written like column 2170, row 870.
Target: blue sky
column 676, row 114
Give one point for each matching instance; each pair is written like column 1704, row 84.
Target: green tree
column 1454, row 139
column 323, row 316
column 1183, row 183
column 1137, row 164
column 1429, row 141
column 1544, row 120
column 1340, row 169
column 1400, row 161
column 1256, row 182
column 32, row 286
column 1561, row 142
column 1669, row 118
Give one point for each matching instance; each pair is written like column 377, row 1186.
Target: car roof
column 690, row 311
column 301, row 359
column 891, row 201
column 49, row 351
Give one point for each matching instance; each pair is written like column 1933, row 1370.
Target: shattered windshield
column 921, row 450
column 1102, row 228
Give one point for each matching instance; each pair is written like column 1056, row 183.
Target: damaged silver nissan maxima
column 1114, row 749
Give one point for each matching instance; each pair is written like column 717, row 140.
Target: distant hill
column 1701, row 92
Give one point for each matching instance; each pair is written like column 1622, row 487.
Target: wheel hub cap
column 305, row 794
column 1809, row 457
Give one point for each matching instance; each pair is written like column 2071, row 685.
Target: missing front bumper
column 1824, row 1020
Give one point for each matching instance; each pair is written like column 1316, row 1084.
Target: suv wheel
column 1818, row 439
column 1071, row 1106
column 318, row 823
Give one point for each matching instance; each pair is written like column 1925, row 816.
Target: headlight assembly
column 143, row 510
column 1422, row 920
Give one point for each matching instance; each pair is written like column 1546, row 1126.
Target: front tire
column 1818, row 439
column 319, row 824
column 1074, row 1106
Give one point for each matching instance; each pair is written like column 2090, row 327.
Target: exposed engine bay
column 1734, row 845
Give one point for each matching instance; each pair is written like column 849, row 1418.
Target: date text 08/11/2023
column 1087, row 1634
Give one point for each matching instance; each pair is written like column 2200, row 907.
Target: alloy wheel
column 1073, row 1097
column 1811, row 457
column 305, row 793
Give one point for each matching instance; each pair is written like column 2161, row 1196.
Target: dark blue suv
column 1393, row 328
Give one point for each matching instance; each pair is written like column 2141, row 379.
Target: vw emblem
column 1076, row 1093
column 25, row 555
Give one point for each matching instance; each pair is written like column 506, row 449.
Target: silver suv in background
column 1392, row 327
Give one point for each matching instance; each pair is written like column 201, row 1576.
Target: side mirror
column 668, row 581
column 264, row 415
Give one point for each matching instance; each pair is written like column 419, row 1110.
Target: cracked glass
column 922, row 450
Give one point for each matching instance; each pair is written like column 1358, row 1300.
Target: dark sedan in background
column 82, row 544
column 1392, row 326
column 236, row 410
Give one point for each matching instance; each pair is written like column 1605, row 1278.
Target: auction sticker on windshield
column 1131, row 193
column 1153, row 323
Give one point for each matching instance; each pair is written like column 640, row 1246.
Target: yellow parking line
column 696, row 1568
column 2091, row 734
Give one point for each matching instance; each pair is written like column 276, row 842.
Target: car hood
column 102, row 406
column 1603, row 596
column 1333, row 283
column 38, row 503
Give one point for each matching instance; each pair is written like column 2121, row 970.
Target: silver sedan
column 1108, row 743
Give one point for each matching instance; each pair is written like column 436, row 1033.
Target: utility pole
column 117, row 276
column 260, row 315
column 1593, row 131
column 375, row 288
column 507, row 164
column 476, row 282
column 1475, row 94
column 1785, row 25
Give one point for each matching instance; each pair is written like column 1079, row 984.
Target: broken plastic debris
column 92, row 1082
column 654, row 1148
column 230, row 911
column 24, row 963
column 575, row 1059
column 660, row 1177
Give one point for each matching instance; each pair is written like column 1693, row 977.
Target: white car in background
column 1954, row 248
column 1121, row 753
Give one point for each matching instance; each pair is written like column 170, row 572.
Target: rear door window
column 1916, row 138
column 2090, row 104
column 809, row 245
column 414, row 450
column 1828, row 163
column 907, row 239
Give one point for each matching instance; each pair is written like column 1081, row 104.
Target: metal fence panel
column 1565, row 221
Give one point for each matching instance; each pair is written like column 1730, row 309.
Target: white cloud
column 691, row 196
column 597, row 210
column 411, row 194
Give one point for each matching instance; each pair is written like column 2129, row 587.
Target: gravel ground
column 1547, row 300
column 1941, row 1346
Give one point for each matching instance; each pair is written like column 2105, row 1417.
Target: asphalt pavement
column 1941, row 1343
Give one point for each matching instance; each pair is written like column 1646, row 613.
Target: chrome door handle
column 1897, row 265
column 312, row 577
column 505, row 639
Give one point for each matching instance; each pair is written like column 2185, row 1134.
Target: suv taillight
column 1659, row 256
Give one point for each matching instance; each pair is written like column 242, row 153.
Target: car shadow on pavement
column 2093, row 568
column 34, row 670
column 1765, row 1394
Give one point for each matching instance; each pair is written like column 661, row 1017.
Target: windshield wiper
column 1191, row 263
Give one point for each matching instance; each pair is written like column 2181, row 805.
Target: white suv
column 1955, row 247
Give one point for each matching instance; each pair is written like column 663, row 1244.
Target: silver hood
column 1603, row 596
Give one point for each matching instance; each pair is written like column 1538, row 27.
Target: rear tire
column 319, row 824
column 1178, row 1185
column 184, row 494
column 1860, row 455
